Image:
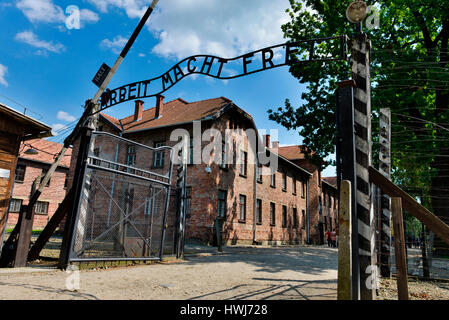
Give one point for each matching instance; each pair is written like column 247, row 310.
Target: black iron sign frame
column 222, row 68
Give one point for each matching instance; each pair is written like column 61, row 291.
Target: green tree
column 409, row 72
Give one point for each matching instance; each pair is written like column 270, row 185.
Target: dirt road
column 238, row 273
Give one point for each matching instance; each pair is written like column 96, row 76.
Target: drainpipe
column 307, row 211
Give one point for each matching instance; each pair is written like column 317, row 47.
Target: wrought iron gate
column 123, row 207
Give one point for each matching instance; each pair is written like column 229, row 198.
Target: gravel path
column 418, row 290
column 238, row 273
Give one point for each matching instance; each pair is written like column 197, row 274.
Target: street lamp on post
column 356, row 13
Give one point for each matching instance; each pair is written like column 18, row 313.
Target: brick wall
column 53, row 194
column 205, row 187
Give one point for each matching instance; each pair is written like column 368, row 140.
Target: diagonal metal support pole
column 51, row 226
column 24, row 236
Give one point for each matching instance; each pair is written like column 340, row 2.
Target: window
column 41, row 207
column 295, row 218
column 130, row 199
column 234, row 153
column 273, row 180
column 284, row 216
column 221, row 212
column 244, row 163
column 188, row 201
column 158, row 156
column 15, row 205
column 324, row 197
column 284, row 181
column 303, row 217
column 66, row 181
column 303, row 189
column 259, row 173
column 44, row 172
column 148, row 210
column 20, row 173
column 272, row 214
column 294, row 186
column 96, row 154
column 223, row 155
column 319, row 178
column 131, row 156
column 335, row 202
column 259, row 211
column 242, row 208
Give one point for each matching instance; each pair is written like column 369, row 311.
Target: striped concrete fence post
column 362, row 125
column 385, row 168
column 344, row 288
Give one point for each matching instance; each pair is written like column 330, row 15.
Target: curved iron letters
column 220, row 68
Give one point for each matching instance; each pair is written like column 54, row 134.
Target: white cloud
column 3, row 72
column 41, row 11
column 87, row 16
column 65, row 116
column 30, row 38
column 133, row 8
column 55, row 127
column 47, row 11
column 224, row 28
column 116, row 45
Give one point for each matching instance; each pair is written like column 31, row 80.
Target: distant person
column 328, row 238
column 334, row 238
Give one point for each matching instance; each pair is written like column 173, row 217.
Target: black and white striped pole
column 360, row 51
column 385, row 168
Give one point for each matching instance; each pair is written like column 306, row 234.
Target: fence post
column 346, row 167
column 360, row 47
column 384, row 214
column 78, row 187
column 425, row 261
column 399, row 248
column 344, row 243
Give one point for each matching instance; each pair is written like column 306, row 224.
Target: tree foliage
column 409, row 73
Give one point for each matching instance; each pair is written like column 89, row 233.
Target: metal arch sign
column 220, row 68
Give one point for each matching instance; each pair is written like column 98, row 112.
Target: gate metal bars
column 123, row 206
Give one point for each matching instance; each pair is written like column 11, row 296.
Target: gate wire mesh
column 124, row 201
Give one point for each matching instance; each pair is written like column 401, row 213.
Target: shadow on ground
column 313, row 260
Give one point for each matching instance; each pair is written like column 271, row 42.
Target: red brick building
column 253, row 204
column 15, row 128
column 322, row 194
column 28, row 170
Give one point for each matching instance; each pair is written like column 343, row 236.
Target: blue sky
column 48, row 68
